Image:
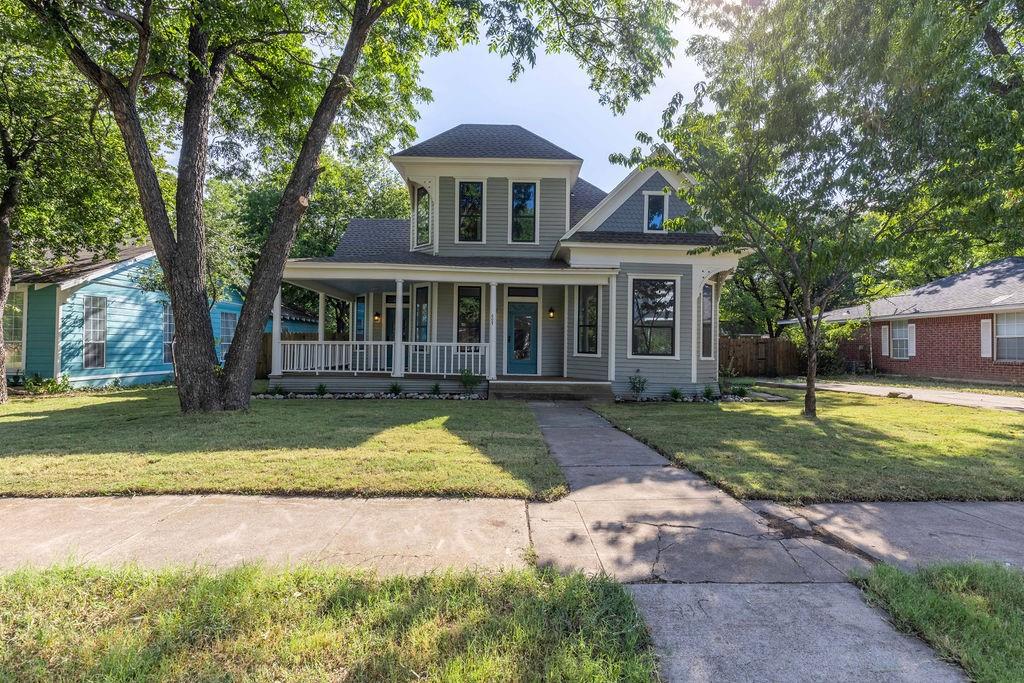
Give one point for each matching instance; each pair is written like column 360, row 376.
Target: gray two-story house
column 514, row 268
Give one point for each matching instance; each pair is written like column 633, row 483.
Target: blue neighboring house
column 90, row 320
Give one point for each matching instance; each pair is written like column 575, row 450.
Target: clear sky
column 552, row 100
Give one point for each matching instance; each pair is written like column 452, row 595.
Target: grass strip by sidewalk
column 860, row 448
column 971, row 613
column 306, row 624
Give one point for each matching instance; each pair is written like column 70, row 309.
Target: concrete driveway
column 968, row 399
column 727, row 595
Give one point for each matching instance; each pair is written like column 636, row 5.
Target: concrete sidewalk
column 727, row 595
column 968, row 399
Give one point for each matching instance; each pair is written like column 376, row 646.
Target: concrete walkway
column 968, row 399
column 727, row 595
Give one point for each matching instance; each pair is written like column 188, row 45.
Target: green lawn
column 136, row 441
column 972, row 614
column 313, row 625
column 860, row 447
column 920, row 382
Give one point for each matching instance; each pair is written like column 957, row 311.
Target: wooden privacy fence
column 758, row 357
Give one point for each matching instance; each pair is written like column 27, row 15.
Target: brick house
column 965, row 326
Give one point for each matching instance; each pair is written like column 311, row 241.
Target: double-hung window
column 471, row 211
column 900, row 335
column 655, row 204
column 523, row 213
column 421, row 314
column 707, row 321
column 422, row 217
column 94, row 331
column 359, row 324
column 653, row 317
column 469, row 318
column 168, row 333
column 14, row 327
column 587, row 319
column 1010, row 336
column 228, row 323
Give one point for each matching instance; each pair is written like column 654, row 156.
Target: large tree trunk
column 7, row 203
column 810, row 394
column 240, row 369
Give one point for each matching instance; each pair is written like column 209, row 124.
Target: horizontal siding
column 588, row 367
column 629, row 217
column 40, row 335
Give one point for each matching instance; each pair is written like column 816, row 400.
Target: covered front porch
column 458, row 326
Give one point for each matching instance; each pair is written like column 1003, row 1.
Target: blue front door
column 521, row 349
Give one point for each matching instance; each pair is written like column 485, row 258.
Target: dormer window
column 655, row 211
column 422, row 214
column 471, row 211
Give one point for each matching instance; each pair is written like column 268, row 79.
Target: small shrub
column 637, row 385
column 740, row 391
column 709, row 393
column 436, row 389
column 116, row 384
column 37, row 385
column 469, row 381
column 321, row 389
column 396, row 388
column 277, row 390
column 675, row 394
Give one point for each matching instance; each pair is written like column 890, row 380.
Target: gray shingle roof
column 488, row 141
column 85, row 263
column 995, row 284
column 386, row 240
column 583, row 197
column 704, row 239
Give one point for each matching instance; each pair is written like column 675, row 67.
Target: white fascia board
column 613, row 255
column 498, row 167
column 103, row 272
column 619, row 194
column 913, row 315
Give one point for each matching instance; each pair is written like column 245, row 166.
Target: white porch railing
column 421, row 358
column 337, row 356
column 443, row 358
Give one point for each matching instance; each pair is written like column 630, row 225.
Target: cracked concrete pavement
column 730, row 590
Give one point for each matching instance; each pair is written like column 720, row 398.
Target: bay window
column 707, row 322
column 1010, row 336
column 422, row 213
column 653, row 317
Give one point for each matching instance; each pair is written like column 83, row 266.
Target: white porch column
column 320, row 317
column 492, row 332
column 565, row 330
column 275, row 343
column 612, row 327
column 398, row 360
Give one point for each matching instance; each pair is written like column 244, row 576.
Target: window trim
column 664, row 217
column 576, row 322
column 714, row 316
column 483, row 210
column 220, row 344
column 455, row 310
column 892, row 338
column 23, row 290
column 675, row 327
column 168, row 311
column 536, row 210
column 416, row 244
column 996, row 337
column 85, row 300
column 430, row 318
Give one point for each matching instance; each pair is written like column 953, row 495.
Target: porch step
column 534, row 390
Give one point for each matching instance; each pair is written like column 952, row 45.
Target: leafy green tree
column 794, row 153
column 287, row 78
column 64, row 182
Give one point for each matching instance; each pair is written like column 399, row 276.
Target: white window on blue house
column 655, row 211
column 94, row 331
column 228, row 323
column 1010, row 336
column 168, row 334
column 14, row 328
column 422, row 216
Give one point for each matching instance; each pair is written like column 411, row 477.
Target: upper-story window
column 523, row 213
column 422, row 216
column 655, row 206
column 471, row 211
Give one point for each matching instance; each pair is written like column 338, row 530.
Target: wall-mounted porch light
column 551, row 313
column 376, row 317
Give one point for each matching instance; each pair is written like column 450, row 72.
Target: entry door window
column 522, row 338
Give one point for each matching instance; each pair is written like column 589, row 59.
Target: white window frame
column 647, row 198
column 23, row 290
column 85, row 330
column 455, row 310
column 168, row 314
column 541, row 317
column 676, row 326
column 223, row 351
column 415, row 217
column 483, row 210
column 430, row 313
column 536, row 210
column 714, row 320
column 1019, row 320
column 576, row 322
column 893, row 339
